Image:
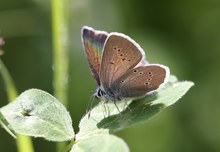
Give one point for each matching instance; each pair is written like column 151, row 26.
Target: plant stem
column 9, row 84
column 60, row 27
column 60, row 48
column 69, row 146
column 24, row 143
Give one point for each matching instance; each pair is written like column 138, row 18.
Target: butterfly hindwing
column 141, row 80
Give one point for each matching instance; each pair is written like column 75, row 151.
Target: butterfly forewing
column 119, row 55
column 93, row 42
column 139, row 81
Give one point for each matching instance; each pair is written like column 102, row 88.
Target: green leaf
column 6, row 126
column 105, row 118
column 37, row 113
column 24, row 143
column 101, row 143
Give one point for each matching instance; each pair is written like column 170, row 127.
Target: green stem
column 60, row 48
column 24, row 143
column 60, row 11
column 9, row 85
column 69, row 146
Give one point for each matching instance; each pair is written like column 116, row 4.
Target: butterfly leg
column 117, row 107
column 89, row 107
column 127, row 106
column 106, row 111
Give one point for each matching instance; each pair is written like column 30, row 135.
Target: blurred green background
column 184, row 35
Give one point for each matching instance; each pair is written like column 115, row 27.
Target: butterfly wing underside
column 141, row 80
column 120, row 54
column 93, row 42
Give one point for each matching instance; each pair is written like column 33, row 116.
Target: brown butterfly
column 119, row 67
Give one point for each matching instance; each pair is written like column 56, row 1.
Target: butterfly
column 119, row 66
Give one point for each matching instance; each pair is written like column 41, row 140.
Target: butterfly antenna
column 90, row 104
